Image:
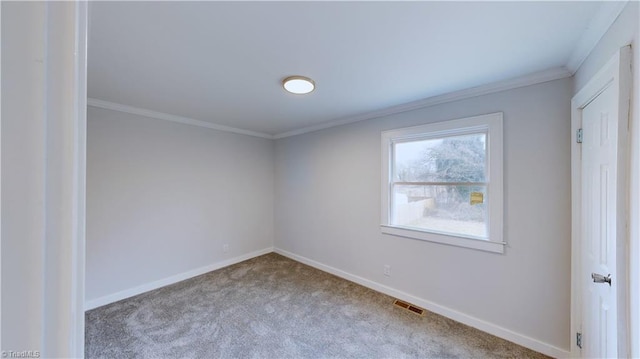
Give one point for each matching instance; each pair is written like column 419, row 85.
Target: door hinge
column 579, row 340
column 579, row 136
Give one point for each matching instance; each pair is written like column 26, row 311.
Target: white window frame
column 491, row 124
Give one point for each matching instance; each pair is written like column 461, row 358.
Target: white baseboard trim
column 127, row 293
column 480, row 324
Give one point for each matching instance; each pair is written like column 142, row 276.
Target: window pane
column 459, row 210
column 447, row 159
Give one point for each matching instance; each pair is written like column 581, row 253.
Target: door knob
column 599, row 278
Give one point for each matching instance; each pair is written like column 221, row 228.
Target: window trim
column 489, row 123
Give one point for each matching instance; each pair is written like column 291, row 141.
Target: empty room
column 320, row 179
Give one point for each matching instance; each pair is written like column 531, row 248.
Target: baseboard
column 480, row 324
column 111, row 298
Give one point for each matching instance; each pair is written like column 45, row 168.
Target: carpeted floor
column 273, row 307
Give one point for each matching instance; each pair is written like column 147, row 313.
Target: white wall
column 328, row 210
column 163, row 198
column 65, row 178
column 625, row 31
column 23, row 175
column 42, row 168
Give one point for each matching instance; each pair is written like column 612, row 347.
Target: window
column 442, row 182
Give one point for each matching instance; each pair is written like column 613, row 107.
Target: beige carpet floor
column 273, row 307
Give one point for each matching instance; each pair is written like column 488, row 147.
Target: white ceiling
column 222, row 62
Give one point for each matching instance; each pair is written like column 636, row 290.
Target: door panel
column 599, row 162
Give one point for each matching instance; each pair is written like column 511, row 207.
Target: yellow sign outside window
column 477, row 198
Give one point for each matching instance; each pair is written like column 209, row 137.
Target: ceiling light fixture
column 298, row 85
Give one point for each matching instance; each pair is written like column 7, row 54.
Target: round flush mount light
column 298, row 85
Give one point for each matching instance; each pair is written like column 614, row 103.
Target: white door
column 599, row 179
column 599, row 175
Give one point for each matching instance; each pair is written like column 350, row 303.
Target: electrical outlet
column 386, row 270
column 225, row 248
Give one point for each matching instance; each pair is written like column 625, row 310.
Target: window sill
column 472, row 243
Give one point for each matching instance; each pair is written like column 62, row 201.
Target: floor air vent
column 410, row 307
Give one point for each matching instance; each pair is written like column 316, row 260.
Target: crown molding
column 606, row 14
column 173, row 118
column 527, row 80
